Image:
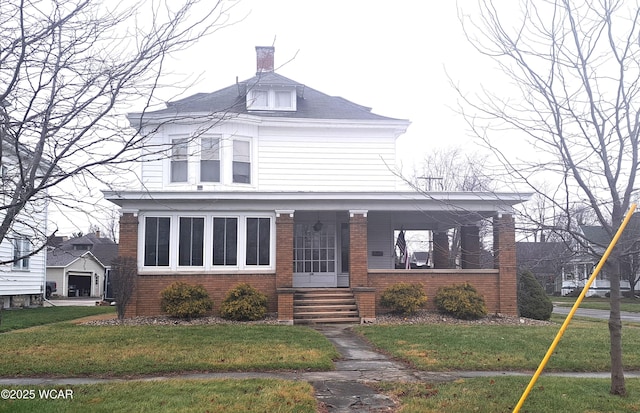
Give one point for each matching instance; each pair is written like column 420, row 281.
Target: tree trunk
column 615, row 330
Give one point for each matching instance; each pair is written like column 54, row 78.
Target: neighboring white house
column 22, row 282
column 271, row 182
column 577, row 270
column 79, row 265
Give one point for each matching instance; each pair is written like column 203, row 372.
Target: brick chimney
column 264, row 59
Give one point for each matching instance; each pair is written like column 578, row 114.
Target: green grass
column 67, row 349
column 30, row 317
column 626, row 304
column 185, row 396
column 501, row 394
column 584, row 346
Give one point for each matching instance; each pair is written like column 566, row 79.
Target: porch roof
column 442, row 208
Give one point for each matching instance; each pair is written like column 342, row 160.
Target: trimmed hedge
column 404, row 298
column 461, row 301
column 184, row 300
column 244, row 303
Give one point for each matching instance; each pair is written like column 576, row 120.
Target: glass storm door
column 314, row 255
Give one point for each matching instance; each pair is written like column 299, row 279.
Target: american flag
column 401, row 243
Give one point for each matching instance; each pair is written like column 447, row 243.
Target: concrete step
column 324, row 306
column 327, row 307
column 341, row 320
column 325, row 301
column 320, row 314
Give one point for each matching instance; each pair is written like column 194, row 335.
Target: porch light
column 317, row 227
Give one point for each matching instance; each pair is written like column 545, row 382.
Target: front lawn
column 501, row 394
column 66, row 349
column 626, row 304
column 185, row 396
column 29, row 317
column 584, row 346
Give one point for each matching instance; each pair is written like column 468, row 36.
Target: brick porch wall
column 485, row 281
column 147, row 298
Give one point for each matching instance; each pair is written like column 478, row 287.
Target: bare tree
column 68, row 69
column 122, row 281
column 453, row 169
column 573, row 68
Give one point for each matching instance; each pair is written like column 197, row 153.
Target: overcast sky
column 391, row 56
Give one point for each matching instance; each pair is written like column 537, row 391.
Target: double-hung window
column 209, row 159
column 191, row 242
column 258, row 249
column 179, row 159
column 21, row 252
column 157, row 232
column 225, row 241
column 241, row 161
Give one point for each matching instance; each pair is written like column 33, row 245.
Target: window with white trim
column 217, row 241
column 283, row 99
column 179, row 159
column 259, row 99
column 225, row 241
column 258, row 241
column 157, row 231
column 191, row 242
column 209, row 159
column 271, row 99
column 241, row 161
column 21, row 251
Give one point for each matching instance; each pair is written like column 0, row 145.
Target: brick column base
column 285, row 305
column 366, row 301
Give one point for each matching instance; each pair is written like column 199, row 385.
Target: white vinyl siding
column 327, row 163
column 19, row 281
column 380, row 238
column 285, row 156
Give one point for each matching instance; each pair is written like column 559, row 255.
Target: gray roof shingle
column 103, row 249
column 311, row 103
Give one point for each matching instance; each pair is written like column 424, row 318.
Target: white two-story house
column 271, row 182
column 22, row 274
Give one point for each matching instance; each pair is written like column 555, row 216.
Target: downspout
column 44, row 261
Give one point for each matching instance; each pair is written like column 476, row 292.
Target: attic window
column 271, row 99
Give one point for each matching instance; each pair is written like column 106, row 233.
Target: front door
column 314, row 255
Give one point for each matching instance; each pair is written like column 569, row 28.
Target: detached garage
column 77, row 273
column 78, row 265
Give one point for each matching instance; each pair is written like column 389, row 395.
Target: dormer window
column 271, row 99
column 260, row 99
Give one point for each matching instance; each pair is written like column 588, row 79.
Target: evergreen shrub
column 533, row 302
column 244, row 303
column 404, row 298
column 184, row 300
column 461, row 301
